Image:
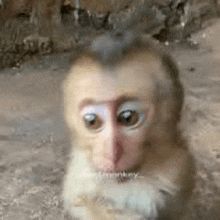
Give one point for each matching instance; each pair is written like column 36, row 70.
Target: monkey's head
column 122, row 96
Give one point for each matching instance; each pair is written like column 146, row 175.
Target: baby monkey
column 122, row 103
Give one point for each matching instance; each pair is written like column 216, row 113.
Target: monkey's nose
column 113, row 153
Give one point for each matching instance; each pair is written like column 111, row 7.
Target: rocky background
column 34, row 142
column 76, row 22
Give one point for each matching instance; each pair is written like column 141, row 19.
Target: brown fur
column 157, row 153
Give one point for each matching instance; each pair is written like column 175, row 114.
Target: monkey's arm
column 97, row 208
column 93, row 208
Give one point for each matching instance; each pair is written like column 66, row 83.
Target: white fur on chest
column 139, row 195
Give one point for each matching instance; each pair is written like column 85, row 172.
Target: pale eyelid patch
column 98, row 110
column 133, row 106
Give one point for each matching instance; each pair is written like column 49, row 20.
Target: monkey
column 122, row 101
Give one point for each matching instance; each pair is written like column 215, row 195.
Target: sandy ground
column 34, row 142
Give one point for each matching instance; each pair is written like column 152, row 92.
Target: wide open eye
column 133, row 114
column 92, row 121
column 128, row 118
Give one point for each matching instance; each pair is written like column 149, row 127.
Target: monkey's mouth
column 115, row 171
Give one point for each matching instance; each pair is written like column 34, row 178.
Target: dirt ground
column 34, row 142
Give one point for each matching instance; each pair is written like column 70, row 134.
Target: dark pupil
column 90, row 120
column 127, row 118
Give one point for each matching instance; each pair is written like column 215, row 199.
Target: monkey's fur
column 164, row 166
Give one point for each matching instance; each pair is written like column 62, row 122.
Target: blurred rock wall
column 79, row 21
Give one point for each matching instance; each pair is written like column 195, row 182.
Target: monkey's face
column 111, row 110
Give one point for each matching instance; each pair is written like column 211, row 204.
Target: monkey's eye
column 92, row 121
column 128, row 118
